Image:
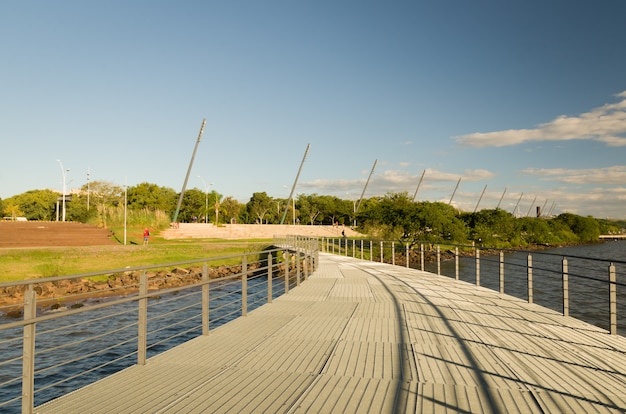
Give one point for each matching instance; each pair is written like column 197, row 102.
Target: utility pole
column 182, row 193
column 64, row 175
column 364, row 188
column 293, row 188
column 88, row 178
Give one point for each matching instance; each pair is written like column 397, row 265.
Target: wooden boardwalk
column 360, row 337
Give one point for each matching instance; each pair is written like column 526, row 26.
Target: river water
column 96, row 338
column 588, row 270
column 101, row 342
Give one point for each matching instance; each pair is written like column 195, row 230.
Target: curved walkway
column 363, row 336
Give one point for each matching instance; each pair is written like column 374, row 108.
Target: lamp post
column 206, row 199
column 125, row 207
column 64, row 175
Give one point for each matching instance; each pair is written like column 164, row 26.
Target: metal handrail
column 291, row 259
column 569, row 267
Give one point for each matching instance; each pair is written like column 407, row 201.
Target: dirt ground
column 50, row 234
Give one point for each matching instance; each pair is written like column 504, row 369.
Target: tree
column 13, row 211
column 35, row 204
column 494, row 228
column 192, row 207
column 587, row 229
column 231, row 209
column 396, row 216
column 107, row 197
column 152, row 197
column 310, row 207
column 535, row 230
column 259, row 205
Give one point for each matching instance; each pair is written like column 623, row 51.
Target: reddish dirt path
column 50, row 234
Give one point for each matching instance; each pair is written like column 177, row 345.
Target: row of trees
column 394, row 216
column 98, row 202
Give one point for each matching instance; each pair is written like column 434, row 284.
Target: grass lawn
column 30, row 263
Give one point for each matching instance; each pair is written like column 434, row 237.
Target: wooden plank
column 363, row 336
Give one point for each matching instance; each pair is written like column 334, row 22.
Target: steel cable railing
column 76, row 345
column 588, row 291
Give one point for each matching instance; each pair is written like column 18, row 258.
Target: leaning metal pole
column 418, row 185
column 365, row 188
column 454, row 192
column 182, row 192
column 517, row 204
column 480, row 198
column 499, row 202
column 293, row 188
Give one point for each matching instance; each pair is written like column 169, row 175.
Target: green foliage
column 193, row 206
column 152, row 197
column 587, row 229
column 34, row 204
column 396, row 216
column 258, row 206
column 230, row 210
column 136, row 218
column 496, row 228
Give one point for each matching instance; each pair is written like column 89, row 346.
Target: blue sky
column 524, row 98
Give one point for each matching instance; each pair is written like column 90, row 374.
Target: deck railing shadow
column 586, row 288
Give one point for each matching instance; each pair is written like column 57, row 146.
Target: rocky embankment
column 76, row 292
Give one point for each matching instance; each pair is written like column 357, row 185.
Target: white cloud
column 605, row 124
column 608, row 175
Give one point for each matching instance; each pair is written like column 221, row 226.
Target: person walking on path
column 146, row 235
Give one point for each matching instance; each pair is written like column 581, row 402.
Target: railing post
column 371, row 252
column 477, row 266
column 305, row 265
column 244, row 286
column 28, row 351
column 438, row 260
column 456, row 262
column 406, row 253
column 565, row 269
column 393, row 253
column 361, row 249
column 142, row 321
column 382, row 253
column 422, row 257
column 530, row 278
column 501, row 272
column 286, row 271
column 298, row 268
column 353, row 248
column 205, row 299
column 612, row 300
column 270, row 294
